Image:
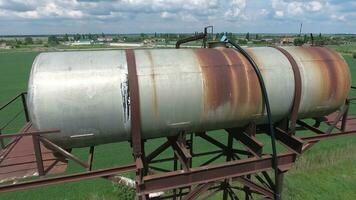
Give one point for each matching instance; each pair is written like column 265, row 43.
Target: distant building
column 4, row 46
column 287, row 40
column 82, row 42
column 126, row 44
column 267, row 40
column 105, row 39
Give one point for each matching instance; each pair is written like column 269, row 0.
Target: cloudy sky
column 136, row 16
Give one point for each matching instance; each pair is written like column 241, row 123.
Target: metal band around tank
column 134, row 103
column 297, row 88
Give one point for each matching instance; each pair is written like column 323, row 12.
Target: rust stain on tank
column 227, row 78
column 254, row 84
column 328, row 71
column 154, row 85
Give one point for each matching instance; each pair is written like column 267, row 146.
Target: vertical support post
column 23, row 98
column 251, row 131
column 344, row 117
column 175, row 167
column 279, row 186
column 90, row 158
column 230, row 142
column 38, row 154
column 2, row 144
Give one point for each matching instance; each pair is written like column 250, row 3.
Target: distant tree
column 320, row 40
column 257, row 36
column 298, row 41
column 155, row 34
column 248, row 36
column 115, row 39
column 102, row 35
column 28, row 40
column 66, row 38
column 18, row 42
column 305, row 38
column 38, row 41
column 77, row 37
column 52, row 40
column 354, row 55
column 242, row 41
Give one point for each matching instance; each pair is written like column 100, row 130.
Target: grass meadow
column 327, row 171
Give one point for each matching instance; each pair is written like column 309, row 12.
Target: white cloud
column 177, row 14
column 314, row 6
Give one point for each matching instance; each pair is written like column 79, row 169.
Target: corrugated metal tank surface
column 85, row 93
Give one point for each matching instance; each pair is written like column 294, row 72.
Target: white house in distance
column 4, row 46
column 105, row 39
column 82, row 42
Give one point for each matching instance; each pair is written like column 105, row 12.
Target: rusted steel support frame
column 229, row 157
column 64, row 152
column 206, row 137
column 297, row 89
column 30, row 133
column 199, row 175
column 264, row 182
column 90, row 158
column 316, row 138
column 279, row 186
column 137, row 143
column 293, row 143
column 197, row 191
column 68, row 178
column 38, row 155
column 181, row 152
column 337, row 118
column 11, row 145
column 255, row 187
column 159, row 150
column 344, row 117
column 2, row 144
column 311, row 128
column 212, row 159
column 253, row 146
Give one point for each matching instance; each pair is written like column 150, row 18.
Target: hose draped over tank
column 85, row 93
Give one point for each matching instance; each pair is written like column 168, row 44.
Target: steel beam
column 199, row 175
column 254, row 146
column 248, row 183
column 290, row 141
column 68, row 178
column 64, row 152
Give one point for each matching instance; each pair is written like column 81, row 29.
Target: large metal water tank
column 85, row 93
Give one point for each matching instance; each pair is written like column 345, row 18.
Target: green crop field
column 327, row 171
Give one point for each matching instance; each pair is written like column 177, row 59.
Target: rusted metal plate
column 350, row 121
column 18, row 160
column 325, row 78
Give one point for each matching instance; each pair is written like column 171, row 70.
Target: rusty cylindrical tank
column 85, row 93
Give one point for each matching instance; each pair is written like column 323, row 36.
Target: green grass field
column 327, row 171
